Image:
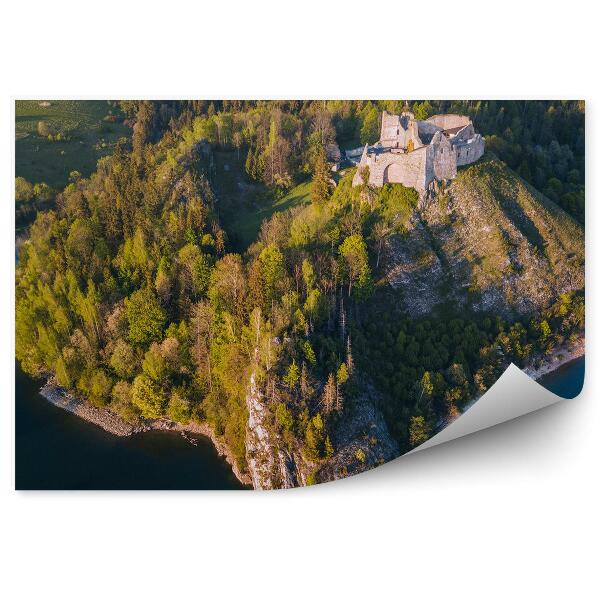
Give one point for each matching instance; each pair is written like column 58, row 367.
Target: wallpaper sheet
column 243, row 294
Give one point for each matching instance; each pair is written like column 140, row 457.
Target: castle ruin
column 419, row 154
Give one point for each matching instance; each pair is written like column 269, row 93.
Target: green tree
column 98, row 387
column 342, row 374
column 179, row 406
column 23, row 190
column 308, row 274
column 154, row 364
column 273, row 271
column 285, row 421
column 419, row 431
column 422, row 110
column 369, row 132
column 121, row 402
column 319, row 191
column 228, row 285
column 162, row 282
column 355, row 263
column 426, row 384
column 148, row 397
column 62, row 373
column 328, row 447
column 123, row 360
column 315, row 306
column 315, row 438
column 309, row 353
column 292, row 375
column 145, row 316
column 545, row 329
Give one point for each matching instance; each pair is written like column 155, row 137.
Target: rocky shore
column 116, row 425
column 542, row 365
column 560, row 356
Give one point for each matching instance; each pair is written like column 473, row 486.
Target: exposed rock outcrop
column 360, row 439
column 269, row 464
column 490, row 242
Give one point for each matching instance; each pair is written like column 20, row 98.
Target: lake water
column 56, row 450
column 566, row 381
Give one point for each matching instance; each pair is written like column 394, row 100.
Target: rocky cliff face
column 269, row 463
column 360, row 438
column 489, row 242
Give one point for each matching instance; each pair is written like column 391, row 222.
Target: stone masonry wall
column 408, row 169
column 469, row 152
column 397, row 130
column 437, row 160
column 444, row 160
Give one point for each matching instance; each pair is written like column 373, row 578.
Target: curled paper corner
column 513, row 395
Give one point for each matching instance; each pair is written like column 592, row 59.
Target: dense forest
column 544, row 141
column 129, row 292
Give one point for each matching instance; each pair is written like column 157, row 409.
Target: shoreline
column 116, row 425
column 545, row 365
column 560, row 356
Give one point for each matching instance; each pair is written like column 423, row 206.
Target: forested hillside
column 131, row 294
column 56, row 142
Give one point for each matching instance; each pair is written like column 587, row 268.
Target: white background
column 507, row 513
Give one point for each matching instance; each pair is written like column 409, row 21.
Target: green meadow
column 244, row 205
column 82, row 131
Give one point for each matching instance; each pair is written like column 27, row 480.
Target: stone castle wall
column 469, row 152
column 439, row 146
column 411, row 169
column 444, row 159
column 398, row 130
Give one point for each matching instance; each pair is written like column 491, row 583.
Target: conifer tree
column 342, row 374
column 305, row 387
column 319, row 191
column 292, row 376
column 250, row 163
column 328, row 448
column 342, row 377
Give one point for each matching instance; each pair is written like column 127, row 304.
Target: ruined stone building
column 419, row 154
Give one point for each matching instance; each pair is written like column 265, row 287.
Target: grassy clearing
column 82, row 121
column 243, row 206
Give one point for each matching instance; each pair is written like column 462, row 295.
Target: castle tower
column 419, row 154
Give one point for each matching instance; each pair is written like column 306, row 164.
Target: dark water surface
column 566, row 381
column 56, row 450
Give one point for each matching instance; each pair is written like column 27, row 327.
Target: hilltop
column 214, row 273
column 489, row 242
